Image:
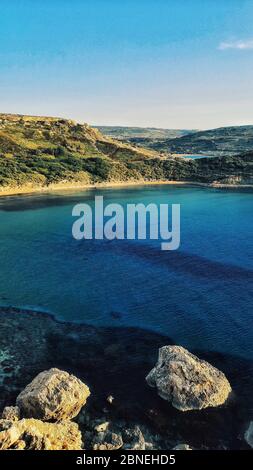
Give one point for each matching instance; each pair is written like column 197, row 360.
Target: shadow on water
column 190, row 263
column 176, row 261
column 115, row 361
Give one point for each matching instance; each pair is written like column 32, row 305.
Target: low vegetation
column 41, row 151
column 146, row 137
column 221, row 141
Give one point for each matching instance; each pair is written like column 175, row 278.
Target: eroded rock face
column 186, row 381
column 53, row 395
column 32, row 434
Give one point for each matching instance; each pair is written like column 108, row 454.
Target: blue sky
column 161, row 63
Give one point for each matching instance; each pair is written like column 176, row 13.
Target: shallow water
column 196, row 157
column 200, row 295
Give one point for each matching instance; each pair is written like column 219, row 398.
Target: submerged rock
column 33, row 434
column 53, row 395
column 186, row 381
column 102, row 426
column 182, row 447
column 249, row 435
column 133, row 439
column 107, row 441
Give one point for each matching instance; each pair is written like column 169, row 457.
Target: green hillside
column 44, row 150
column 142, row 136
column 41, row 151
column 221, row 141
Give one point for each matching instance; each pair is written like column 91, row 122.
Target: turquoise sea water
column 200, row 295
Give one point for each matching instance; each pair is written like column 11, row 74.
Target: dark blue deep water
column 200, row 295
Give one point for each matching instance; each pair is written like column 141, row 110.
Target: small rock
column 11, row 413
column 107, row 441
column 186, row 381
column 248, row 436
column 110, row 399
column 133, row 439
column 102, row 426
column 53, row 395
column 182, row 447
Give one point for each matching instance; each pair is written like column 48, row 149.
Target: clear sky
column 161, row 63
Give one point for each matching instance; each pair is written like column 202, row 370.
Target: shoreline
column 39, row 313
column 97, row 356
column 28, row 190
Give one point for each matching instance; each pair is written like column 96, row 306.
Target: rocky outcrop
column 186, row 381
column 248, row 436
column 107, row 433
column 33, row 434
column 53, row 395
column 117, row 435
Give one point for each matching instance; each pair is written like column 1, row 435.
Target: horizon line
column 78, row 121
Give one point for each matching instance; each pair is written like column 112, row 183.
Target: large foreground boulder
column 32, row 434
column 53, row 395
column 186, row 381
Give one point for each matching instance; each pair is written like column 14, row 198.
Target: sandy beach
column 29, row 189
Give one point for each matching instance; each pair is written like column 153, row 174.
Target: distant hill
column 221, row 141
column 142, row 136
column 41, row 152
